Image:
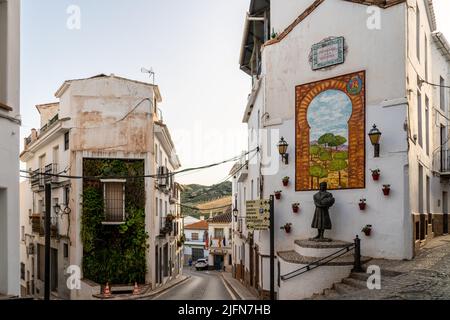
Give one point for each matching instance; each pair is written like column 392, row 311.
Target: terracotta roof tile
column 200, row 225
column 221, row 218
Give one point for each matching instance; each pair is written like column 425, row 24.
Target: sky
column 192, row 45
column 329, row 112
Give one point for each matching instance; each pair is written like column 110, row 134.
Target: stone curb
column 230, row 286
column 164, row 289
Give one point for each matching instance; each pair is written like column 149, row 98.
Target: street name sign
column 258, row 214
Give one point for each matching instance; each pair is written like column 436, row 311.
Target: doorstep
column 238, row 289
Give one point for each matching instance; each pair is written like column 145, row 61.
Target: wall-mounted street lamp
column 375, row 136
column 282, row 148
column 59, row 210
column 235, row 214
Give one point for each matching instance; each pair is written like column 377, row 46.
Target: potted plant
column 362, row 204
column 386, row 189
column 367, row 229
column 376, row 174
column 278, row 194
column 170, row 217
column 287, row 227
column 285, row 181
column 295, row 207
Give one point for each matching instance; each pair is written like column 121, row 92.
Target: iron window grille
column 114, row 201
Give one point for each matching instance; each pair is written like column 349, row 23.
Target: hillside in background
column 205, row 197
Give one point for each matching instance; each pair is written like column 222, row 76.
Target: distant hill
column 205, row 197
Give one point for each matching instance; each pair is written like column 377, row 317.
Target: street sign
column 328, row 53
column 258, row 215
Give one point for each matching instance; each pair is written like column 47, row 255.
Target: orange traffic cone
column 136, row 289
column 106, row 291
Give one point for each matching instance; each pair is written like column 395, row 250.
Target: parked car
column 201, row 264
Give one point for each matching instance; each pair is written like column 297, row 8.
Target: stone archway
column 305, row 94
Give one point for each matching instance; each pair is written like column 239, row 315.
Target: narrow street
column 202, row 285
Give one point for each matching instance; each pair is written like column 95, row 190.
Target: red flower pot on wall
column 295, row 207
column 362, row 204
column 287, row 227
column 278, row 195
column 386, row 189
column 367, row 230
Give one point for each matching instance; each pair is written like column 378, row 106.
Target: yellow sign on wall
column 258, row 215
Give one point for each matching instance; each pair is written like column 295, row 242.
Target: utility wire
column 137, row 177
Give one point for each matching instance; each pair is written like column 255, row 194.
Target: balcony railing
column 49, row 170
column 36, row 179
column 219, row 243
column 166, row 225
column 38, row 225
column 442, row 161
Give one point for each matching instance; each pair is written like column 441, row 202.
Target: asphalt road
column 202, row 285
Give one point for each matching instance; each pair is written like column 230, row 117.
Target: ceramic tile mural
column 330, row 133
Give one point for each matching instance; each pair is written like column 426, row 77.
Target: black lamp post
column 282, row 148
column 375, row 136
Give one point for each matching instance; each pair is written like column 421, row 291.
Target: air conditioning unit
column 31, row 248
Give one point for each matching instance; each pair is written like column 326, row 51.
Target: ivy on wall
column 114, row 253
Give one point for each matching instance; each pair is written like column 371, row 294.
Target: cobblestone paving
column 426, row 277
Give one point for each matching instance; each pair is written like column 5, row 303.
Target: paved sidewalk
column 426, row 277
column 238, row 288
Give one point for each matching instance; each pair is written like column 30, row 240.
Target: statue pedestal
column 316, row 280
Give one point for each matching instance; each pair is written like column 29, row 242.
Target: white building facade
column 108, row 127
column 196, row 241
column 386, row 66
column 9, row 145
column 220, row 242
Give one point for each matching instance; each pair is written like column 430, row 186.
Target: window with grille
column 194, row 236
column 66, row 141
column 114, row 200
column 22, row 271
column 218, row 233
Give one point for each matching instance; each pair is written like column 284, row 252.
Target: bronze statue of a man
column 323, row 201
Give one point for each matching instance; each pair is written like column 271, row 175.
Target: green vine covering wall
column 114, row 253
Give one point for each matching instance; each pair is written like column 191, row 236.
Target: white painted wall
column 9, row 146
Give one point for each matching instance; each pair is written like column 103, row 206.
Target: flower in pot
column 278, row 194
column 386, row 189
column 376, row 174
column 295, row 207
column 362, row 204
column 287, row 227
column 285, row 181
column 367, row 229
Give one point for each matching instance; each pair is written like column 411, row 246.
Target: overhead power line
column 137, row 176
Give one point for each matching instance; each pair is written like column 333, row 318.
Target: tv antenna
column 150, row 72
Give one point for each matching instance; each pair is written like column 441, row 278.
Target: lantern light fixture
column 375, row 135
column 282, row 149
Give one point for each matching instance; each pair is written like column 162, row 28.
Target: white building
column 103, row 131
column 196, row 240
column 9, row 145
column 220, row 242
column 386, row 66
